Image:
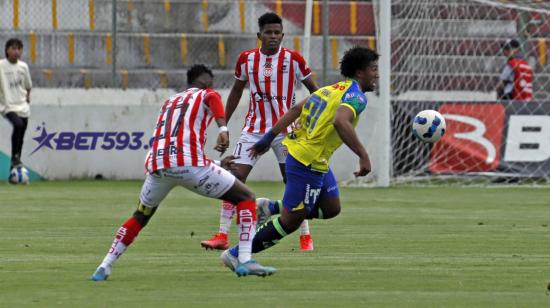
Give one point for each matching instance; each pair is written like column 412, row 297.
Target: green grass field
column 398, row 247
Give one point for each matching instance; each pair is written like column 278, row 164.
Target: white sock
column 304, row 228
column 117, row 249
column 246, row 223
column 226, row 215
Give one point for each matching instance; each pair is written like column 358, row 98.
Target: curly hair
column 355, row 59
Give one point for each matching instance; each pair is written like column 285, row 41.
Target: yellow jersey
column 314, row 139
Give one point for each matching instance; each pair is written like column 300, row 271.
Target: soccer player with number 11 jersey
column 273, row 73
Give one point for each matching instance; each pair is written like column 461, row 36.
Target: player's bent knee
column 328, row 208
column 238, row 194
column 144, row 213
column 331, row 212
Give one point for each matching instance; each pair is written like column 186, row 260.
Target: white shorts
column 247, row 140
column 211, row 181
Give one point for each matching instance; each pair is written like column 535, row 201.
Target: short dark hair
column 269, row 18
column 196, row 70
column 511, row 44
column 13, row 42
column 355, row 59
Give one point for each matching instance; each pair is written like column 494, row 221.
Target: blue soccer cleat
column 101, row 273
column 252, row 267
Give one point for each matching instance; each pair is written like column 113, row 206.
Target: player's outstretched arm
column 234, row 98
column 288, row 118
column 343, row 123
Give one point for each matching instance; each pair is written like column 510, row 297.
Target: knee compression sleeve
column 144, row 213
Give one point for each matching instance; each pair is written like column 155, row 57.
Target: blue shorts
column 305, row 187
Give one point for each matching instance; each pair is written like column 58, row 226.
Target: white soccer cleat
column 229, row 260
column 263, row 214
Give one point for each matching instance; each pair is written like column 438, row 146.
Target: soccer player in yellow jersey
column 326, row 119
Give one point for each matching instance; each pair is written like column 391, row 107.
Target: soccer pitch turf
column 397, row 247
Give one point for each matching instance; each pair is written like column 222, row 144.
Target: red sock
column 129, row 230
column 123, row 238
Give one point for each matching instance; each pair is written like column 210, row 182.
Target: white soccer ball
column 19, row 175
column 429, row 126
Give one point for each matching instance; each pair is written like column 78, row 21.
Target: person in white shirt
column 15, row 90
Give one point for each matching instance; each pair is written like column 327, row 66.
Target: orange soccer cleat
column 217, row 241
column 306, row 243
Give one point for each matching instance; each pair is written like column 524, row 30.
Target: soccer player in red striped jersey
column 272, row 73
column 177, row 158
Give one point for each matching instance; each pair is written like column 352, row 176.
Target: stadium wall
column 78, row 133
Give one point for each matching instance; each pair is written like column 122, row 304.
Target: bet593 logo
column 90, row 141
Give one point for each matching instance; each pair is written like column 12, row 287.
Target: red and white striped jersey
column 272, row 81
column 180, row 132
column 523, row 80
